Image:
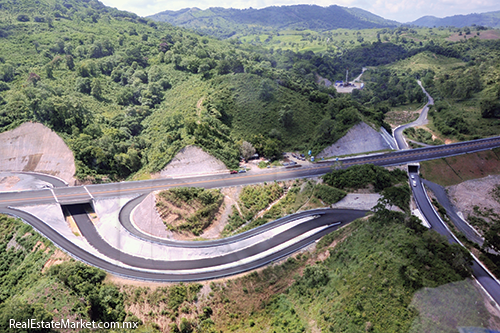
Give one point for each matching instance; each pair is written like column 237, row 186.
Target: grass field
column 456, row 169
column 309, row 40
column 427, row 60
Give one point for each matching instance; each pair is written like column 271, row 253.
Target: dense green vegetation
column 127, row 93
column 421, row 135
column 367, row 283
column 71, row 290
column 255, row 198
column 361, row 176
column 328, row 194
column 226, row 23
column 194, row 207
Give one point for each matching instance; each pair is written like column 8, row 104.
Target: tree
column 271, row 148
column 23, row 18
column 286, row 116
column 492, row 237
column 49, row 70
column 83, row 85
column 397, row 196
column 266, row 89
column 96, row 89
column 247, row 150
column 490, row 108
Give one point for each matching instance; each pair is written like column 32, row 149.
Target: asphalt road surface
column 422, row 120
column 147, row 269
column 463, row 227
column 484, row 278
column 82, row 194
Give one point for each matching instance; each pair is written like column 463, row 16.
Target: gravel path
column 18, row 182
column 358, row 201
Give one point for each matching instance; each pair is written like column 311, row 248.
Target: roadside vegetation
column 365, row 176
column 421, row 135
column 71, row 290
column 365, row 275
column 456, row 169
column 344, row 291
column 189, row 209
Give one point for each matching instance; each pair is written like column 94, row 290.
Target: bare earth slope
column 475, row 192
column 360, row 139
column 192, row 160
column 34, row 147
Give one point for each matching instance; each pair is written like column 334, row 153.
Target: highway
column 81, row 194
column 488, row 282
column 326, row 221
column 237, row 261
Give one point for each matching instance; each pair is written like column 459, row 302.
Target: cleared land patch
column 456, row 169
column 488, row 34
column 478, row 200
column 192, row 160
column 360, row 139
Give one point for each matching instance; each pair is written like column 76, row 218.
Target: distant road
column 422, row 120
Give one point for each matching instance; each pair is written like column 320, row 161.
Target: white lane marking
column 86, row 189
column 51, row 190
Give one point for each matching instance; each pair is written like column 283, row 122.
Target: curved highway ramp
column 179, row 261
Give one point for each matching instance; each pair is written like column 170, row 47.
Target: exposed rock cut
column 360, row 139
column 34, row 147
column 192, row 160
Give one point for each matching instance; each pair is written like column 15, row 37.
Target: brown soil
column 397, row 118
column 190, row 161
column 488, row 34
column 231, row 195
column 57, row 258
column 477, row 192
column 456, row 169
column 34, row 147
column 8, row 182
column 177, row 215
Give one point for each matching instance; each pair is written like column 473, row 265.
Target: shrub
column 328, row 194
column 23, row 18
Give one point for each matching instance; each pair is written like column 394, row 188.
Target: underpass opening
column 71, row 210
column 413, row 168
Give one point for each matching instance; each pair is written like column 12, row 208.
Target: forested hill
column 225, row 23
column 490, row 19
column 126, row 93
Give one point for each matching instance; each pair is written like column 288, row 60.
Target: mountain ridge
column 225, row 23
column 490, row 19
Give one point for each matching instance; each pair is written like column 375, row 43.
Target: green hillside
column 127, row 93
column 489, row 19
column 225, row 23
